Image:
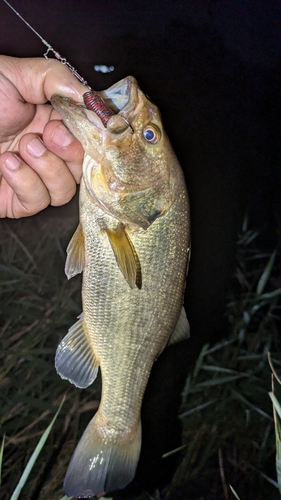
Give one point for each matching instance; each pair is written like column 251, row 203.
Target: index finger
column 37, row 78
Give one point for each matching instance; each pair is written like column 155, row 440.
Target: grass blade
column 34, row 456
column 276, row 404
column 200, row 360
column 277, row 426
column 197, row 408
column 266, row 273
column 169, row 453
column 1, row 456
column 234, row 492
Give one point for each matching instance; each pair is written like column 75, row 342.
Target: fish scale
column 132, row 244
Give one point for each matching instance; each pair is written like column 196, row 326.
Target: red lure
column 95, row 103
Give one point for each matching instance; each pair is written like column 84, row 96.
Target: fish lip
column 59, row 101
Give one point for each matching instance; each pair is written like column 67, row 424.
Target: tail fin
column 102, row 462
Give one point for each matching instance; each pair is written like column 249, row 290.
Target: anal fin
column 125, row 255
column 182, row 329
column 75, row 254
column 75, row 359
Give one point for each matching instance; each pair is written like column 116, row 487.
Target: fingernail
column 61, row 137
column 12, row 162
column 36, row 148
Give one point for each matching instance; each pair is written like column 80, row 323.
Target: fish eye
column 152, row 134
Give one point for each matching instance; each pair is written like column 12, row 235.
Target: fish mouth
column 116, row 106
column 121, row 98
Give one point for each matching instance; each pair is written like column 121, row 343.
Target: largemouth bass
column 132, row 244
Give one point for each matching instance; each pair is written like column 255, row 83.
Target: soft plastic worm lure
column 92, row 99
column 94, row 102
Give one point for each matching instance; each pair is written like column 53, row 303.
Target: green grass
column 227, row 412
column 37, row 307
column 31, row 462
column 229, row 444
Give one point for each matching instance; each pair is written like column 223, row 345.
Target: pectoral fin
column 75, row 254
column 182, row 330
column 125, row 255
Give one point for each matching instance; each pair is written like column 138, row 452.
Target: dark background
column 213, row 68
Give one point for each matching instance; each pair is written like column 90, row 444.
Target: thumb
column 37, row 78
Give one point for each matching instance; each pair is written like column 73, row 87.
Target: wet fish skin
column 132, row 244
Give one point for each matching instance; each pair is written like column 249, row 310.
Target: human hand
column 40, row 160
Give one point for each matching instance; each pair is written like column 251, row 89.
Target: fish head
column 129, row 166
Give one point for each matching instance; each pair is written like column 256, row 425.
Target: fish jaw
column 84, row 125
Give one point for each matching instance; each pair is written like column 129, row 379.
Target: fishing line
column 92, row 99
column 57, row 55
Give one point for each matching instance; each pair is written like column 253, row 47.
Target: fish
column 132, row 245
